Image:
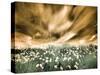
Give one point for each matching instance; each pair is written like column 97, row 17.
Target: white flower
column 41, row 66
column 47, row 58
column 69, row 58
column 17, row 56
column 37, row 53
column 56, row 60
column 37, row 65
column 40, row 58
column 76, row 63
column 46, row 61
column 50, row 60
column 64, row 58
column 18, row 60
column 76, row 66
column 69, row 66
column 77, row 56
column 25, row 59
column 55, row 66
column 61, row 67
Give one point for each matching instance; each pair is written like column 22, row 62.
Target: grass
column 55, row 58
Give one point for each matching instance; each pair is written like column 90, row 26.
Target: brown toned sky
column 37, row 24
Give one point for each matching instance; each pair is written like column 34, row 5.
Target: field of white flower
column 54, row 58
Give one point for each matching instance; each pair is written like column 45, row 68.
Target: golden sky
column 45, row 23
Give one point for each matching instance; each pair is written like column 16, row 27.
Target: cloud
column 55, row 23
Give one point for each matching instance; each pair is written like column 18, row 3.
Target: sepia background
column 37, row 24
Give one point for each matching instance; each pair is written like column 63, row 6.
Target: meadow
column 54, row 58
